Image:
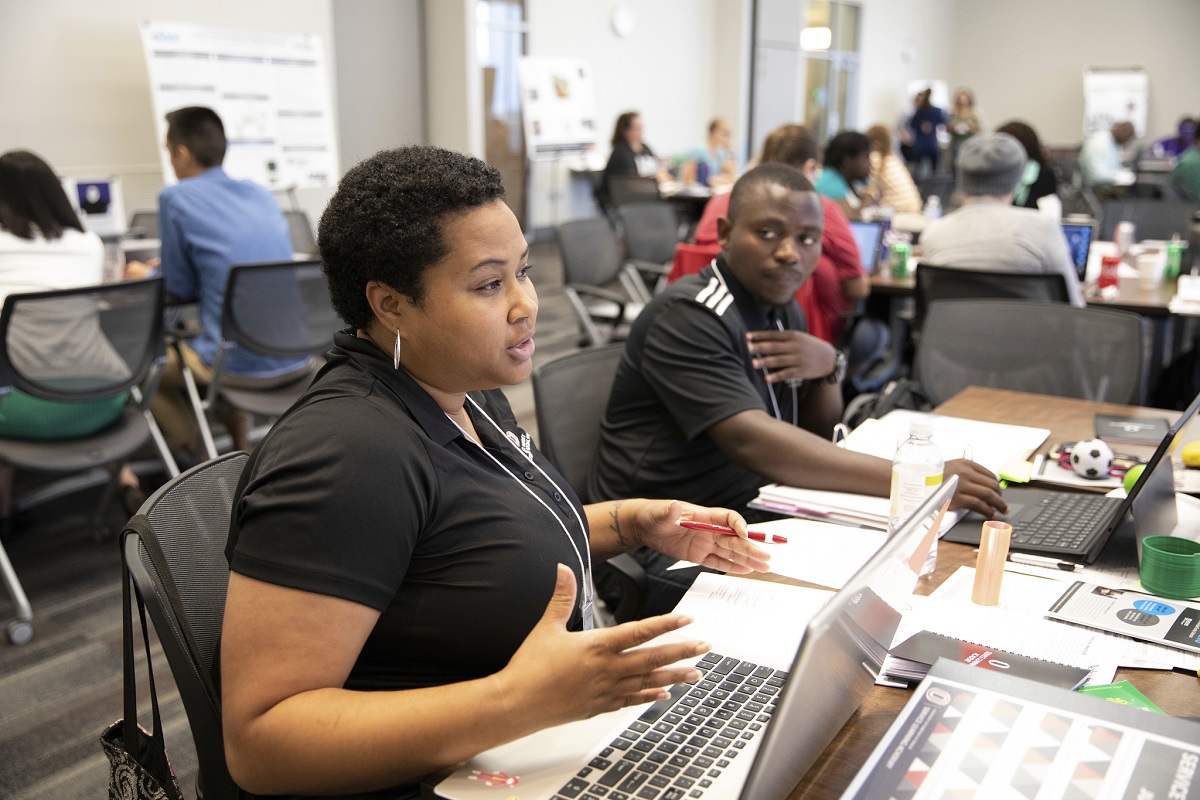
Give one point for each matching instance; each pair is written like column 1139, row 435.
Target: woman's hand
column 978, row 489
column 656, row 528
column 791, row 355
column 560, row 676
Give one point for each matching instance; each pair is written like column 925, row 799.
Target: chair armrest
column 629, row 578
column 601, row 293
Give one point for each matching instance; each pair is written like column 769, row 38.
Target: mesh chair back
column 570, row 394
column 279, row 309
column 301, row 233
column 81, row 344
column 591, row 255
column 1153, row 219
column 144, row 223
column 936, row 283
column 651, row 231
column 625, row 189
column 1046, row 348
column 187, row 521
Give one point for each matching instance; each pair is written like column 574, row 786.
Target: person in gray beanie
column 987, row 232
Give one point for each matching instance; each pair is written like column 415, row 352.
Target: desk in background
column 1068, row 419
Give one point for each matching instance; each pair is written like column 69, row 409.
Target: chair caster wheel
column 20, row 632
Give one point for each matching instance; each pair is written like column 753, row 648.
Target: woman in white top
column 43, row 246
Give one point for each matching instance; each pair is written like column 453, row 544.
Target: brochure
column 912, row 658
column 1174, row 623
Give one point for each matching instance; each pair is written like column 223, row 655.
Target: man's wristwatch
column 839, row 369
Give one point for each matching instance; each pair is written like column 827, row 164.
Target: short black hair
column 32, row 199
column 774, row 173
column 199, row 129
column 385, row 221
column 845, row 146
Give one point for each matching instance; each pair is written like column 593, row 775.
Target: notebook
column 1044, row 522
column 786, row 713
column 1079, row 241
column 869, row 236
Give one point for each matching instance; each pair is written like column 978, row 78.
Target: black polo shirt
column 365, row 490
column 685, row 368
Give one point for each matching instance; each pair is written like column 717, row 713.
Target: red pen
column 757, row 536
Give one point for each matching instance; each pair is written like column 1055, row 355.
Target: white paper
column 761, row 621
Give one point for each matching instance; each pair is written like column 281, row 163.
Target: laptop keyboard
column 681, row 744
column 1066, row 523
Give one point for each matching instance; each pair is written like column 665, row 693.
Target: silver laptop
column 745, row 730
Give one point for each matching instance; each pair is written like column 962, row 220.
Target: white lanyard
column 770, row 386
column 585, row 557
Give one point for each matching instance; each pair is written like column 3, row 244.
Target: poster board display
column 1115, row 95
column 271, row 91
column 558, row 104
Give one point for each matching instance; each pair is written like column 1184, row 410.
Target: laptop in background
column 869, row 236
column 696, row 745
column 1079, row 241
column 1074, row 526
column 100, row 204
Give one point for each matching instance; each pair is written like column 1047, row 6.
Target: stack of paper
column 987, row 443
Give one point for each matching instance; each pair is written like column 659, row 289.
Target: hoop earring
column 396, row 352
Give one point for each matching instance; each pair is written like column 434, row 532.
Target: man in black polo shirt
column 721, row 389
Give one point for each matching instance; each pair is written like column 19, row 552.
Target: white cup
column 1150, row 266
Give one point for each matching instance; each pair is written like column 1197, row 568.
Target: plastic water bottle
column 916, row 473
column 933, row 207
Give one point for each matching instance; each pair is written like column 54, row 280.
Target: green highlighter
column 1123, row 693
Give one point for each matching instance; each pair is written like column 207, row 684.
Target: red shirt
column 823, row 302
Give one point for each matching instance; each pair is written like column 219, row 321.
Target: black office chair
column 651, row 232
column 175, row 550
column 1045, row 348
column 625, row 189
column 144, row 224
column 72, row 346
column 1152, row 219
column 279, row 309
column 301, row 233
column 570, row 394
column 935, row 283
column 601, row 289
column 940, row 186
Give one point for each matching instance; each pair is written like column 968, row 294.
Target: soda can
column 900, row 253
column 1123, row 236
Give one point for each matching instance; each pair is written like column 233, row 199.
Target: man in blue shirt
column 208, row 222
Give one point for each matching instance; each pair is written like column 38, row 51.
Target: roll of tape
column 1171, row 567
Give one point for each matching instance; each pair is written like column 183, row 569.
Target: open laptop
column 1075, row 527
column 100, row 204
column 869, row 236
column 745, row 730
column 1079, row 241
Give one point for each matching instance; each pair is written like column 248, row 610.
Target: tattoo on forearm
column 615, row 512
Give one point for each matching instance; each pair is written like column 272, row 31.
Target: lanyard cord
column 585, row 565
column 770, row 385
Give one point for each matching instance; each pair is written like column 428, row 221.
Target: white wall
column 1025, row 58
column 380, row 76
column 902, row 41
column 76, row 89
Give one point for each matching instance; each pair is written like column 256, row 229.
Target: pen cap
column 989, row 566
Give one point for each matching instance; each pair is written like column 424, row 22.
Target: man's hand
column 136, row 270
column 978, row 489
column 791, row 355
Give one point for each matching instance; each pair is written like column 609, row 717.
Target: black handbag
column 138, row 765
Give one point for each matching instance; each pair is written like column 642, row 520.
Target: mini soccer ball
column 1091, row 459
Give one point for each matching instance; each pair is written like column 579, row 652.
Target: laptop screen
column 840, row 654
column 868, row 235
column 99, row 203
column 1079, row 241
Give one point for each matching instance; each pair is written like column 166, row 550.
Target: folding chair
column 76, row 346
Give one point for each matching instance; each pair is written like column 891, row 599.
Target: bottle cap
column 921, row 426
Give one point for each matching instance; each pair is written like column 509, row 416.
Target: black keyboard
column 1066, row 523
column 681, row 744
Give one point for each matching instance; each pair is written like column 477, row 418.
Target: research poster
column 271, row 90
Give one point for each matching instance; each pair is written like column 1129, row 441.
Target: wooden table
column 1175, row 693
